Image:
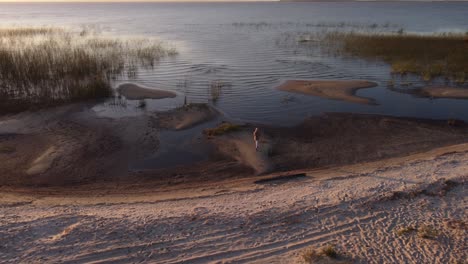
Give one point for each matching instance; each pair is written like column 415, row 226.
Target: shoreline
column 335, row 176
column 107, row 148
column 275, row 223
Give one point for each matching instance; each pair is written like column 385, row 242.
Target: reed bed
column 429, row 56
column 46, row 66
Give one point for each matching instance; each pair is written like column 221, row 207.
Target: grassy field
column 429, row 56
column 48, row 66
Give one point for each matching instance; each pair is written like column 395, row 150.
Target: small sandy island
column 344, row 90
column 136, row 92
column 444, row 92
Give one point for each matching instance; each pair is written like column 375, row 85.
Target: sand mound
column 330, row 89
column 187, row 116
column 444, row 92
column 135, row 92
column 241, row 147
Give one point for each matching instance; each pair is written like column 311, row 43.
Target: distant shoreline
column 231, row 1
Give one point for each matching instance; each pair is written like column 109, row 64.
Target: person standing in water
column 256, row 136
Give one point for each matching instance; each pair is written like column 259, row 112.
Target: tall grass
column 429, row 56
column 46, row 66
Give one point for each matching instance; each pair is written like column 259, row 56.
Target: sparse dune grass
column 405, row 230
column 429, row 56
column 326, row 254
column 42, row 66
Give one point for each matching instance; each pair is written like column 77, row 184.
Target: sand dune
column 136, row 92
column 330, row 89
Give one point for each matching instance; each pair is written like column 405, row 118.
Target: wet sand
column 186, row 116
column 330, row 89
column 136, row 92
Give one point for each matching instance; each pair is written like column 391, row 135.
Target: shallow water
column 248, row 47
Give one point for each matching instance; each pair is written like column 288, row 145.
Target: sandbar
column 136, row 92
column 343, row 90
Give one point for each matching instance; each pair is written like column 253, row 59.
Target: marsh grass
column 428, row 56
column 216, row 88
column 48, row 66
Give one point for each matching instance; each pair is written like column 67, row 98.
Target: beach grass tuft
column 329, row 251
column 428, row 56
column 43, row 66
column 405, row 230
column 326, row 254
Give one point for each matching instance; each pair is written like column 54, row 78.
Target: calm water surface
column 248, row 47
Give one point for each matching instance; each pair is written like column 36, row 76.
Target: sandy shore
column 359, row 209
column 444, row 92
column 330, row 89
column 135, row 92
column 350, row 180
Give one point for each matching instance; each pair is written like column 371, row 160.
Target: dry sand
column 444, row 92
column 330, row 89
column 136, row 92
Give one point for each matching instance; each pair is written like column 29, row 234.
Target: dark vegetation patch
column 43, row 66
column 325, row 254
column 438, row 188
column 429, row 56
column 222, row 129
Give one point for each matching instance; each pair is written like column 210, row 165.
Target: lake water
column 248, row 47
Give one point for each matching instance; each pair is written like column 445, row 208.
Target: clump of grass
column 222, row 129
column 429, row 56
column 330, row 251
column 428, row 232
column 405, row 230
column 216, row 88
column 309, row 255
column 47, row 66
column 326, row 254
